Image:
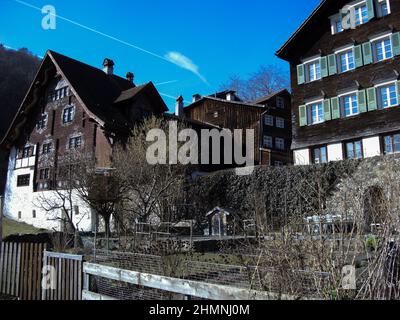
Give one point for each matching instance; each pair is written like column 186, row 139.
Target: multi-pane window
column 391, row 144
column 59, row 94
column 338, row 26
column 280, row 143
column 27, row 152
column 68, row 114
column 280, row 103
column 361, row 14
column 388, row 96
column 46, row 148
column 75, row 143
column 354, row 150
column 346, row 61
column 278, row 164
column 320, row 155
column 383, row 49
column 280, row 122
column 42, row 122
column 44, row 174
column 23, row 180
column 317, row 112
column 268, row 142
column 350, row 105
column 384, row 8
column 313, row 71
column 269, row 120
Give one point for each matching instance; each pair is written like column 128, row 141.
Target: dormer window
column 383, row 7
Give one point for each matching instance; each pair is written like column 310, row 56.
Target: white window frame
column 308, row 65
column 379, row 7
column 381, row 39
column 335, row 19
column 269, row 120
column 358, row 7
column 339, row 54
column 379, row 98
column 280, row 143
column 280, row 122
column 73, row 114
column 309, row 104
column 341, row 102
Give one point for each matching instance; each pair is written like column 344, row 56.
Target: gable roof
column 311, row 28
column 94, row 89
column 263, row 100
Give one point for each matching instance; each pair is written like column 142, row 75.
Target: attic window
column 68, row 114
column 216, row 114
column 59, row 94
column 42, row 122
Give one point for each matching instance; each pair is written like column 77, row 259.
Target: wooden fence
column 187, row 288
column 20, row 270
column 66, row 281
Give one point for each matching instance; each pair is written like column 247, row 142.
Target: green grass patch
column 14, row 227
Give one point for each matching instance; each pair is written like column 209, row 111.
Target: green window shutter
column 335, row 108
column 396, row 43
column 372, row 103
column 398, row 92
column 371, row 9
column 358, row 59
column 327, row 110
column 324, row 67
column 300, row 74
column 332, row 66
column 362, row 101
column 367, row 53
column 303, row 116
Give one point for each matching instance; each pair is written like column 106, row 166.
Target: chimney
column 179, row 107
column 108, row 66
column 130, row 76
column 196, row 97
column 230, row 96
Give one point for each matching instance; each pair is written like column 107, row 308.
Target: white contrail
column 165, row 58
column 171, row 97
column 166, row 82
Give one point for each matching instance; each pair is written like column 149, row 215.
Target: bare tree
column 150, row 190
column 266, row 80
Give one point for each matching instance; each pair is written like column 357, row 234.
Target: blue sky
column 212, row 38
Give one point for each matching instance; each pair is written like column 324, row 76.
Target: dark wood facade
column 314, row 39
column 241, row 115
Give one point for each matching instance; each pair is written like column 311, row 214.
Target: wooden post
column 1, row 220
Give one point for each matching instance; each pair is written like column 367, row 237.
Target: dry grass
column 14, row 227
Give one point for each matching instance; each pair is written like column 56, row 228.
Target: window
column 354, row 150
column 280, row 143
column 280, row 103
column 75, row 143
column 313, row 71
column 278, row 164
column 391, row 144
column 269, row 120
column 382, row 49
column 46, row 149
column 350, row 105
column 346, row 61
column 34, row 214
column 58, row 94
column 280, row 122
column 19, row 215
column 268, row 142
column 361, row 14
column 387, row 96
column 338, row 26
column 216, row 114
column 44, row 174
column 76, row 210
column 68, row 114
column 384, row 8
column 42, row 122
column 27, row 152
column 320, row 155
column 23, row 180
column 317, row 112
